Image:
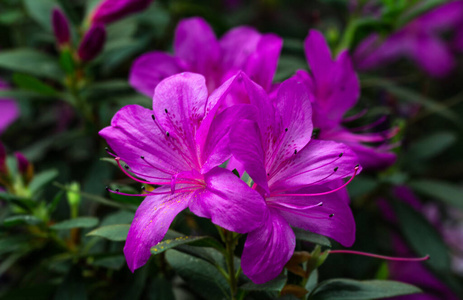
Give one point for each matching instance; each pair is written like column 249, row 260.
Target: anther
column 335, row 169
column 167, row 133
column 142, row 157
column 286, row 129
column 117, row 190
column 295, row 151
column 166, row 110
column 126, row 167
column 356, row 167
column 152, row 117
column 143, row 187
column 107, row 188
column 106, row 148
column 332, row 215
column 341, row 154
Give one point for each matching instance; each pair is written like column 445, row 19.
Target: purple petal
column 228, row 202
column 9, row 112
column 133, row 134
column 179, row 105
column 196, row 44
column 150, row 224
column 294, row 125
column 112, row 10
column 257, row 55
column 333, row 219
column 441, row 18
column 60, row 26
column 92, row 43
column 318, row 163
column 246, row 147
column 268, row 248
column 318, row 55
column 215, row 149
column 150, row 68
column 373, row 158
column 432, row 55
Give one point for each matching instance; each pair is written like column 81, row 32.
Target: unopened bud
column 112, row 10
column 60, row 26
column 92, row 43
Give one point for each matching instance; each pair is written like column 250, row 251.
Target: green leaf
column 81, row 222
column 422, row 236
column 12, row 243
column 444, row 191
column 21, row 220
column 115, row 233
column 31, row 83
column 40, row 11
column 73, row 286
column 31, row 62
column 348, row 289
column 42, row 179
column 431, row 146
column 308, row 236
column 288, row 65
column 203, row 277
column 195, row 240
column 113, row 262
column 275, row 285
column 409, row 95
column 312, row 281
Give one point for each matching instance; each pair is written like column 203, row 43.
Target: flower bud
column 25, row 168
column 112, row 10
column 3, row 167
column 60, row 26
column 92, row 43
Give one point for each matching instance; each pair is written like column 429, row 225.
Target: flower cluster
column 231, row 114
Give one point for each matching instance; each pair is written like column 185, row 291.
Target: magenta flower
column 334, row 89
column 299, row 178
column 196, row 49
column 60, row 26
column 112, row 10
column 178, row 145
column 9, row 110
column 420, row 40
column 92, row 43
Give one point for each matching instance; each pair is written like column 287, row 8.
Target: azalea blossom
column 334, row 89
column 178, row 145
column 9, row 110
column 196, row 49
column 421, row 40
column 300, row 178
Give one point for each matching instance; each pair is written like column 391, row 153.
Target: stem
column 230, row 244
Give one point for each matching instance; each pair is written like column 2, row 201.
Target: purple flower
column 9, row 110
column 178, row 145
column 3, row 167
column 300, row 178
column 334, row 89
column 196, row 49
column 60, row 26
column 420, row 40
column 112, row 10
column 92, row 43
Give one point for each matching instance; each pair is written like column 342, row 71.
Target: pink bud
column 92, row 43
column 60, row 26
column 112, row 10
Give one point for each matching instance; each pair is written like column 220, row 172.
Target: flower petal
column 318, row 163
column 178, row 104
column 150, row 68
column 318, row 55
column 133, row 134
column 268, row 248
column 196, row 44
column 150, row 224
column 215, row 149
column 433, row 55
column 373, row 158
column 9, row 112
column 293, row 126
column 228, row 202
column 333, row 219
column 246, row 147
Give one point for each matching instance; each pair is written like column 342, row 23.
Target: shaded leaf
column 432, row 145
column 81, row 222
column 115, row 233
column 348, row 289
column 446, row 192
column 21, row 220
column 40, row 11
column 308, row 236
column 42, row 179
column 422, row 237
column 275, row 285
column 203, row 277
column 31, row 83
column 194, row 240
column 31, row 62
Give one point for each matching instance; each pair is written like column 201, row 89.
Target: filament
column 412, row 259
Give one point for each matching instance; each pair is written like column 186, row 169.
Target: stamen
column 369, row 126
column 409, row 259
column 109, row 152
column 324, row 193
column 182, row 190
column 118, row 159
column 356, row 116
column 294, row 207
